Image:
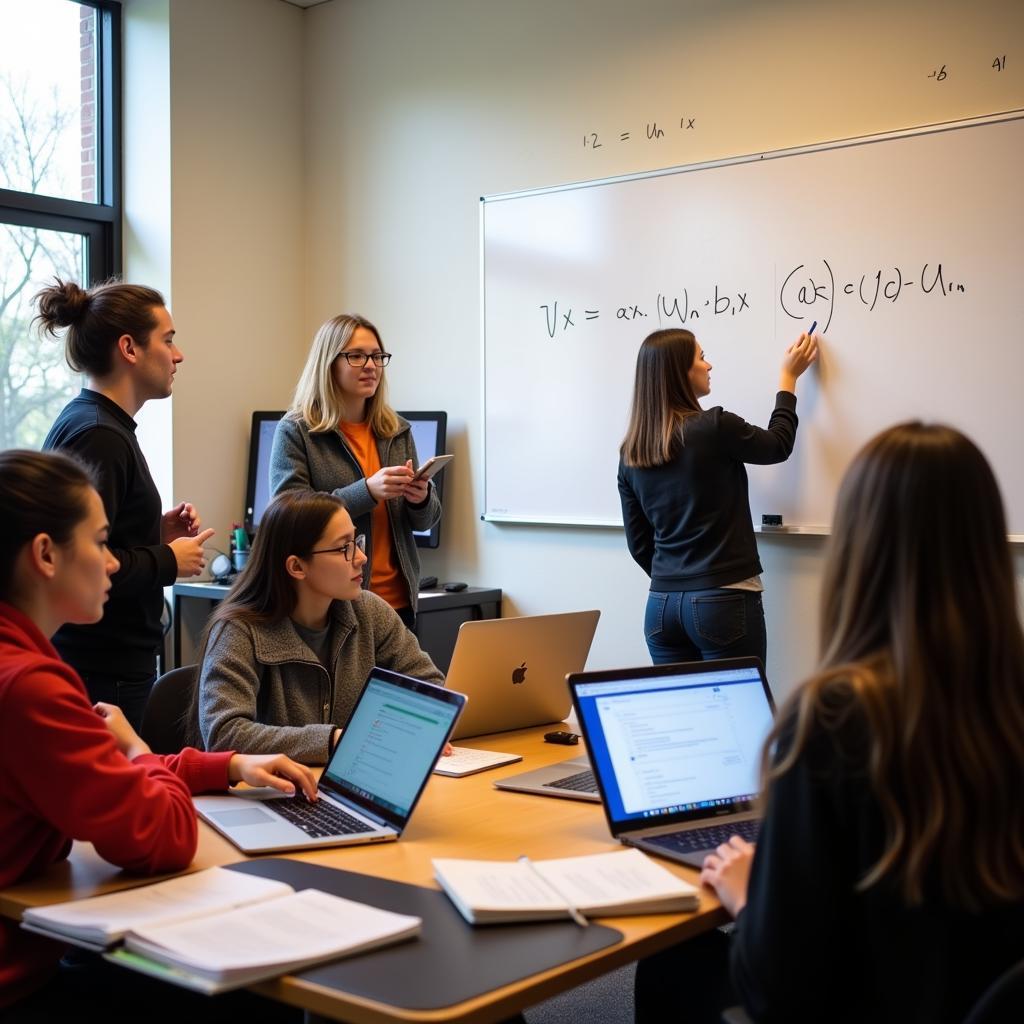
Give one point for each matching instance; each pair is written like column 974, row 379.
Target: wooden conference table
column 463, row 817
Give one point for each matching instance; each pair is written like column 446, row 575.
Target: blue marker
column 811, row 331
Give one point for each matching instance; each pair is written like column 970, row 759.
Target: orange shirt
column 385, row 577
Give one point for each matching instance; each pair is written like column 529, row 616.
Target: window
column 60, row 188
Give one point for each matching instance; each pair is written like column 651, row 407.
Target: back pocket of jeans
column 654, row 616
column 721, row 619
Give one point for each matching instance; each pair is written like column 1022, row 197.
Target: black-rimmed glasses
column 347, row 550
column 360, row 359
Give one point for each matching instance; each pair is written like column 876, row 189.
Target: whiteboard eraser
column 771, row 520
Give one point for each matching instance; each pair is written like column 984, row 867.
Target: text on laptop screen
column 676, row 743
column 389, row 745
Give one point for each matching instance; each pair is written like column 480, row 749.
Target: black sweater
column 125, row 641
column 810, row 947
column 688, row 521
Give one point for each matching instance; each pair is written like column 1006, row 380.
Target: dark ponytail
column 40, row 492
column 95, row 319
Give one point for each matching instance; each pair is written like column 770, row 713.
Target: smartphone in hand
column 432, row 467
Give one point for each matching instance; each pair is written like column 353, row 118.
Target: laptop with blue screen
column 676, row 751
column 371, row 784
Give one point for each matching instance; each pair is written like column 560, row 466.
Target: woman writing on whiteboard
column 341, row 436
column 683, row 488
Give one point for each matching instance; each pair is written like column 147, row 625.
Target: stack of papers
column 216, row 930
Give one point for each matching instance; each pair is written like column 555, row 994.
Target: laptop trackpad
column 248, row 816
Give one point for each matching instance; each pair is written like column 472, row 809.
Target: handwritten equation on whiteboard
column 807, row 290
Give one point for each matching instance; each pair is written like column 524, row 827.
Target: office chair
column 163, row 722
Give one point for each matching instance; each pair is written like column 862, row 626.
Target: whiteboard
column 906, row 248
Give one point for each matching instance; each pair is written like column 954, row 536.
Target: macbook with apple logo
column 513, row 670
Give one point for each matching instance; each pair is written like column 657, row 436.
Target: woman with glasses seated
column 285, row 655
column 342, row 437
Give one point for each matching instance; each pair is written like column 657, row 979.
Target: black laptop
column 676, row 751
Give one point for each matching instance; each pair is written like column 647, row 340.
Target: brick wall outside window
column 88, row 80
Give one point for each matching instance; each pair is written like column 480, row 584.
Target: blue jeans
column 698, row 625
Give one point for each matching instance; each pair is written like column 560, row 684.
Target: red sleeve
column 65, row 768
column 201, row 772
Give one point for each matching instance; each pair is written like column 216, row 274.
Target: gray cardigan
column 323, row 462
column 262, row 690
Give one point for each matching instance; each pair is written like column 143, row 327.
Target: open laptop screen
column 667, row 744
column 390, row 745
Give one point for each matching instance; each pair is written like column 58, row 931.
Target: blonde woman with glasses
column 286, row 653
column 341, row 436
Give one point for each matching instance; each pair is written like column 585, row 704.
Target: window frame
column 100, row 222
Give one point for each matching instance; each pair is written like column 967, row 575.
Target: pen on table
column 573, row 910
column 810, row 333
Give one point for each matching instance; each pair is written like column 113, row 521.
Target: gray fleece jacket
column 323, row 462
column 262, row 690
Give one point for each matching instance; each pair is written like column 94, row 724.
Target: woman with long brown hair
column 683, row 488
column 888, row 878
column 341, row 436
column 286, row 653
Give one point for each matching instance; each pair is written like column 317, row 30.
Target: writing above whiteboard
column 903, row 248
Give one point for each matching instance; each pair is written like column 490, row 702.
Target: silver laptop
column 571, row 779
column 676, row 750
column 371, row 784
column 513, row 670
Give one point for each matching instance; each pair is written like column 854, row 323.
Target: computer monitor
column 257, row 488
column 429, row 431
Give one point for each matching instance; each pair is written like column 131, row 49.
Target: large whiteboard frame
column 818, row 527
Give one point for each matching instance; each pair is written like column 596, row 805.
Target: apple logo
column 519, row 674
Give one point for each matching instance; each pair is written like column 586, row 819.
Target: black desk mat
column 451, row 961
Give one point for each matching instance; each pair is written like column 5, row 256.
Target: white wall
column 214, row 217
column 147, row 195
column 414, row 110
column 283, row 165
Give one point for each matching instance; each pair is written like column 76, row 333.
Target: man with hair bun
column 121, row 337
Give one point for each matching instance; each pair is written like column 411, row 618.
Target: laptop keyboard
column 581, row 782
column 707, row 838
column 320, row 819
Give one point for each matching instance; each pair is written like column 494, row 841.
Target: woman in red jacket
column 70, row 769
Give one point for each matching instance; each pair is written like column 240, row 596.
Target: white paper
column 469, row 760
column 592, row 884
column 612, row 878
column 186, row 896
column 304, row 926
